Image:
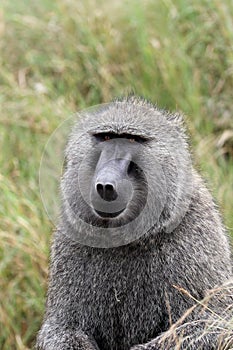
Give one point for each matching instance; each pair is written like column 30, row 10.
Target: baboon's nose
column 106, row 191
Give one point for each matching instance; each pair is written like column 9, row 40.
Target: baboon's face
column 109, row 184
column 118, row 178
column 123, row 167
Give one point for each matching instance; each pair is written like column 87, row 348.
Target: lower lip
column 109, row 215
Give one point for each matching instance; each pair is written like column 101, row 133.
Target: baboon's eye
column 106, row 136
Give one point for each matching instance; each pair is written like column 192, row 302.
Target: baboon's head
column 128, row 170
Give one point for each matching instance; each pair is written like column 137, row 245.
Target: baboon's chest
column 132, row 318
column 127, row 308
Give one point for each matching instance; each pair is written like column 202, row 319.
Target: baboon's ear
column 64, row 165
column 176, row 118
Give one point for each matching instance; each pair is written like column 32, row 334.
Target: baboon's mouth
column 109, row 215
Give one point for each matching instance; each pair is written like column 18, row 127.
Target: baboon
column 137, row 227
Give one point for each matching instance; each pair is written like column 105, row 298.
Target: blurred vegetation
column 58, row 57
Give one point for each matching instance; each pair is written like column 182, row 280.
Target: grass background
column 58, row 57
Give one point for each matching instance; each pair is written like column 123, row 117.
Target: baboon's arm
column 52, row 337
column 208, row 325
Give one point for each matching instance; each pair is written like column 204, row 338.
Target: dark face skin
column 116, row 174
column 107, row 187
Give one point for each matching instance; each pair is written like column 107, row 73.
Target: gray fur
column 115, row 298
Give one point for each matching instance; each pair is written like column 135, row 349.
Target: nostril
column 109, row 187
column 100, row 189
column 106, row 191
column 110, row 193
